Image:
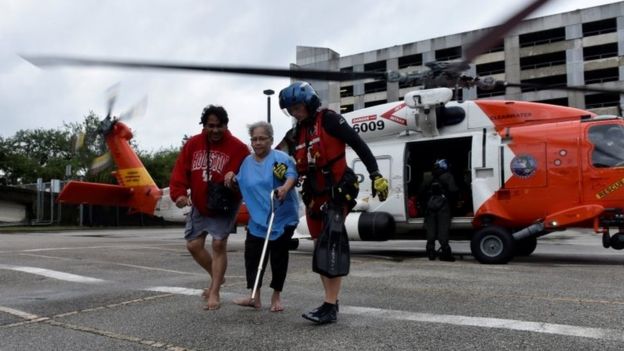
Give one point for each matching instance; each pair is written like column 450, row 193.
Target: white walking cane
column 264, row 248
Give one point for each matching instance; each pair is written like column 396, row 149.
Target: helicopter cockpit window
column 608, row 143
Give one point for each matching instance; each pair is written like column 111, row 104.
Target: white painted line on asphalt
column 54, row 274
column 175, row 290
column 124, row 247
column 117, row 264
column 481, row 322
column 73, row 248
column 18, row 313
column 187, row 291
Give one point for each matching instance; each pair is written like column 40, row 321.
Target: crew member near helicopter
column 320, row 138
column 439, row 193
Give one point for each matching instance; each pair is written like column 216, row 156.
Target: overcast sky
column 245, row 32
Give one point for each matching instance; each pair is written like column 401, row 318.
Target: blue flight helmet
column 441, row 164
column 296, row 93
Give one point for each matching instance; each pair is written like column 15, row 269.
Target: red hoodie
column 190, row 168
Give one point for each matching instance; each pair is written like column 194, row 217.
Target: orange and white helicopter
column 135, row 188
column 524, row 169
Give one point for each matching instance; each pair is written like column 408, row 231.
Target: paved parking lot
column 139, row 290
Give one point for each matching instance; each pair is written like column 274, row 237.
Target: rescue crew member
column 439, row 194
column 320, row 137
column 206, row 161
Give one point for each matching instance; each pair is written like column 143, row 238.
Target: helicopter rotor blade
column 100, row 163
column 580, row 88
column 492, row 37
column 112, row 93
column 78, row 141
column 137, row 110
column 488, row 83
column 51, row 61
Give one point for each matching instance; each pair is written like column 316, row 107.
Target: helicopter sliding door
column 421, row 155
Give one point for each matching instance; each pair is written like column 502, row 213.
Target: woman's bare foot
column 248, row 302
column 276, row 302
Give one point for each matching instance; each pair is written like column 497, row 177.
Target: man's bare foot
column 248, row 302
column 276, row 303
column 213, row 302
column 206, row 291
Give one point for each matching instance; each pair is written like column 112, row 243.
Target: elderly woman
column 263, row 172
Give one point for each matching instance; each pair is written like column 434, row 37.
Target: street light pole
column 268, row 93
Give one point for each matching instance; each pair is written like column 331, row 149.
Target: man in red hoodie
column 207, row 163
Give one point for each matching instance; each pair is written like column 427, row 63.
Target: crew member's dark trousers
column 437, row 225
column 277, row 252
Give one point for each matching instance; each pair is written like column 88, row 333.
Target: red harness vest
column 319, row 154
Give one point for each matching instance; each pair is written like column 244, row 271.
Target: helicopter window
column 600, row 51
column 601, row 100
column 602, row 75
column 608, row 140
column 448, row 53
column 599, row 27
column 542, row 37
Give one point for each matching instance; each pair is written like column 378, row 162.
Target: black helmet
column 296, row 93
column 441, row 164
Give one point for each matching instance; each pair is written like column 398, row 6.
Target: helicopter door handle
column 409, row 173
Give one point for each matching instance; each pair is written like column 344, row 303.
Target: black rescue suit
column 439, row 195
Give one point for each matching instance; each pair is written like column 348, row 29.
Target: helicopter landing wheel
column 525, row 247
column 492, row 245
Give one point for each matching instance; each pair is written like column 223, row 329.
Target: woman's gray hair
column 261, row 124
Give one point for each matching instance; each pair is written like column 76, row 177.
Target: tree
column 160, row 163
column 31, row 154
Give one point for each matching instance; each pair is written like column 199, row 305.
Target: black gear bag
column 221, row 199
column 331, row 257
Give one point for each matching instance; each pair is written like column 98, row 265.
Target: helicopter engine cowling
column 370, row 226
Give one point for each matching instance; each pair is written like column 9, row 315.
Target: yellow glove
column 279, row 170
column 380, row 186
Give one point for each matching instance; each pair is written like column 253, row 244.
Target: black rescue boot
column 446, row 254
column 326, row 313
column 431, row 253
